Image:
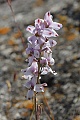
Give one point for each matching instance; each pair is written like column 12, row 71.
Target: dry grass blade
column 48, row 106
column 46, row 113
column 8, row 85
column 9, row 2
column 22, row 39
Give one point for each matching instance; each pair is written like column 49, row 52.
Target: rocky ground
column 63, row 92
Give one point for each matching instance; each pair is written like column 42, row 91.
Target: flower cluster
column 39, row 52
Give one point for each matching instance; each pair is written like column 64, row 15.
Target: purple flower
column 32, row 40
column 49, row 58
column 31, row 29
column 33, row 50
column 50, row 23
column 46, row 70
column 29, row 94
column 43, row 61
column 31, row 83
column 51, row 43
column 39, row 53
column 47, row 32
column 39, row 87
column 32, row 70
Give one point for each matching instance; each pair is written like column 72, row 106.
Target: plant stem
column 22, row 39
column 38, row 71
column 46, row 113
column 36, row 117
column 35, row 103
column 32, row 113
column 39, row 67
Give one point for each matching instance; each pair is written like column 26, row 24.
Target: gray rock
column 2, row 117
column 6, row 52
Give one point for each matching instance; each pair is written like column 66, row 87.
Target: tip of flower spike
column 44, row 84
column 55, row 73
column 28, row 98
column 28, row 29
column 56, row 35
column 41, row 89
column 38, row 20
column 60, row 25
column 48, row 13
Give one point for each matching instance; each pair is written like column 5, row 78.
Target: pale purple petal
column 34, row 68
column 39, row 24
column 48, row 18
column 50, row 23
column 31, row 29
column 29, row 51
column 30, row 60
column 44, row 61
column 52, row 61
column 52, row 43
column 30, row 48
column 39, row 88
column 46, row 49
column 55, row 73
column 47, row 32
column 41, row 41
column 46, row 70
column 32, row 40
column 37, row 47
column 34, row 80
column 49, row 58
column 28, row 84
column 44, row 84
column 26, row 71
column 55, row 25
column 30, row 94
column 31, row 83
column 50, row 70
column 36, row 53
column 38, row 21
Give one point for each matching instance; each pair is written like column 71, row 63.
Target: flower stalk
column 35, row 103
column 38, row 82
column 40, row 59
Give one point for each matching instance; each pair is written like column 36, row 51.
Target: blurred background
column 63, row 91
